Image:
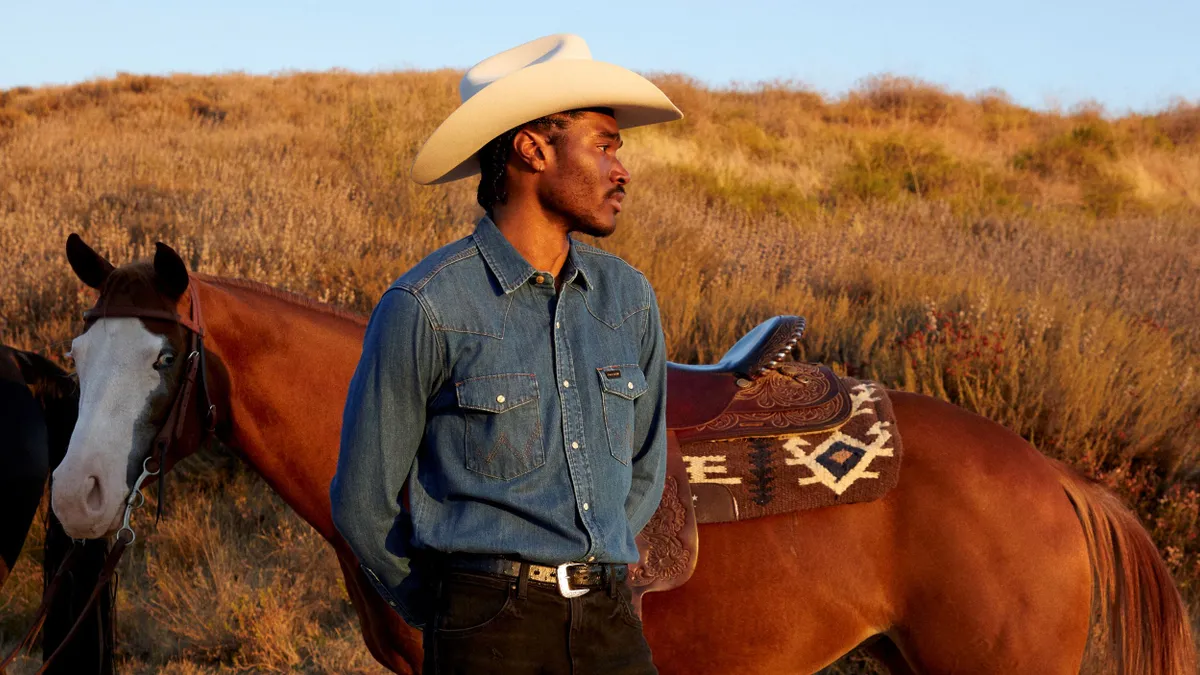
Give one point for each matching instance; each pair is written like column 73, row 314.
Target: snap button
column 574, row 445
column 566, row 383
column 556, row 324
column 631, row 385
column 585, row 506
column 500, row 398
column 539, row 278
column 591, row 558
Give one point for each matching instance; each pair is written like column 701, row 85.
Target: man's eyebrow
column 611, row 136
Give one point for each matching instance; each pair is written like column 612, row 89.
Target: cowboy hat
column 545, row 76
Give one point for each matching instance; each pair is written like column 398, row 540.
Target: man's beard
column 594, row 229
column 579, row 220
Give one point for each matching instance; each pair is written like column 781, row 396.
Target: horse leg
column 393, row 643
column 992, row 564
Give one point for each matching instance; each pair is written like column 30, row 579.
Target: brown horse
column 986, row 558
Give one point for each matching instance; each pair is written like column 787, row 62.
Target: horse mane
column 290, row 297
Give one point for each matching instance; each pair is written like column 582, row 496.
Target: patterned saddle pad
column 731, row 479
column 739, row 478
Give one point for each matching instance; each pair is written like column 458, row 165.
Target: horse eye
column 164, row 361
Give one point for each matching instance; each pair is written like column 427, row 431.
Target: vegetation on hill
column 1040, row 268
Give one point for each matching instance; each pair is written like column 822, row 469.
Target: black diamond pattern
column 839, row 469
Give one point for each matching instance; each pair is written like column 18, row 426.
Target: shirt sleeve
column 650, row 425
column 382, row 427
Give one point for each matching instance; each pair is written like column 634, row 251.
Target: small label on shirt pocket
column 503, row 436
column 618, row 394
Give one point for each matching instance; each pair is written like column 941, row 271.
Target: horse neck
column 285, row 369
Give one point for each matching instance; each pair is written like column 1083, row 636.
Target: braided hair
column 493, row 157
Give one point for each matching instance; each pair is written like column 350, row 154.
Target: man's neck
column 542, row 242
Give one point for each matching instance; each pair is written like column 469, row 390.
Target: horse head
column 131, row 360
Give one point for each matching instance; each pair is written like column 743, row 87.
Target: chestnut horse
column 986, row 558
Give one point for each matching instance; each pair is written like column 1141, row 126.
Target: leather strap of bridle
column 39, row 617
column 193, row 323
column 106, row 573
column 172, row 431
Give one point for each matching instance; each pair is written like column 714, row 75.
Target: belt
column 572, row 579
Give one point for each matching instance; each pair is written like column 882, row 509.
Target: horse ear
column 37, row 369
column 171, row 272
column 91, row 267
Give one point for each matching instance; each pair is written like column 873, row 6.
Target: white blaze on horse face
column 117, row 380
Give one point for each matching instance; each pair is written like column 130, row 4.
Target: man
column 504, row 437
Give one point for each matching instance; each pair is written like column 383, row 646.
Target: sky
column 1127, row 56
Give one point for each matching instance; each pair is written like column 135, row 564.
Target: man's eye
column 604, row 148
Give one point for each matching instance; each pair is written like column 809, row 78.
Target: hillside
column 1040, row 268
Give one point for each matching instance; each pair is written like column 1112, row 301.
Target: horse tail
column 1140, row 623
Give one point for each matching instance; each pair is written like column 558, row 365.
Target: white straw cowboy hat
column 545, row 76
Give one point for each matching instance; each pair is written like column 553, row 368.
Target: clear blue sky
column 1126, row 55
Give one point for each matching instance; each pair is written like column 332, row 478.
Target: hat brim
column 530, row 93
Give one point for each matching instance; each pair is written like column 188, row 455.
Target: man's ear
column 531, row 149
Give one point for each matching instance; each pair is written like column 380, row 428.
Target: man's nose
column 620, row 174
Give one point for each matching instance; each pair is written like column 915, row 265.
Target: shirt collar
column 510, row 267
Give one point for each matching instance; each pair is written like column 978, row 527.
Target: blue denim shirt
column 491, row 414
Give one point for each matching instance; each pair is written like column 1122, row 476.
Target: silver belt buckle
column 564, row 583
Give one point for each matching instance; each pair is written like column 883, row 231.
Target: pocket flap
column 497, row 393
column 626, row 380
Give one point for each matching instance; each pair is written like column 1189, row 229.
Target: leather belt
column 572, row 579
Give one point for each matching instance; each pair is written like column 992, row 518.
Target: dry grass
column 1042, row 269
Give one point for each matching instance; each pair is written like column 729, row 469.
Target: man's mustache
column 620, row 189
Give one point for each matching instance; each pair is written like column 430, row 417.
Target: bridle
column 164, row 452
column 172, row 430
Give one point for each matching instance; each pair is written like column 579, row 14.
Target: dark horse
column 986, row 558
column 39, row 402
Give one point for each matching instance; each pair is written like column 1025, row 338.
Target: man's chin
column 597, row 227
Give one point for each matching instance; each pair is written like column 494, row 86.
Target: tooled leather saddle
column 751, row 392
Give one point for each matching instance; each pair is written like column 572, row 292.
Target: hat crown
column 550, row 48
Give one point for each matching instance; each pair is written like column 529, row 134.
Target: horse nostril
column 95, row 496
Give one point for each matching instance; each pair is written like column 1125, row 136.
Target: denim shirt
column 491, row 414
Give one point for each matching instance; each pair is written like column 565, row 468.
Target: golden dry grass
column 1039, row 268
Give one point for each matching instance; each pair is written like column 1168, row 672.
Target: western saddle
column 705, row 391
column 750, row 392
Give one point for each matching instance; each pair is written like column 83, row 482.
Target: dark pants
column 491, row 624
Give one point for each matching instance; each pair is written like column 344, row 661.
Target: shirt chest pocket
column 620, row 386
column 503, row 437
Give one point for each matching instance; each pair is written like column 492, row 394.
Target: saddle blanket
column 749, row 477
column 726, row 480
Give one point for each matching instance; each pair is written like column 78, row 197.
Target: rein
column 156, row 465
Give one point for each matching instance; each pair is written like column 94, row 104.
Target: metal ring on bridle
column 135, row 500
